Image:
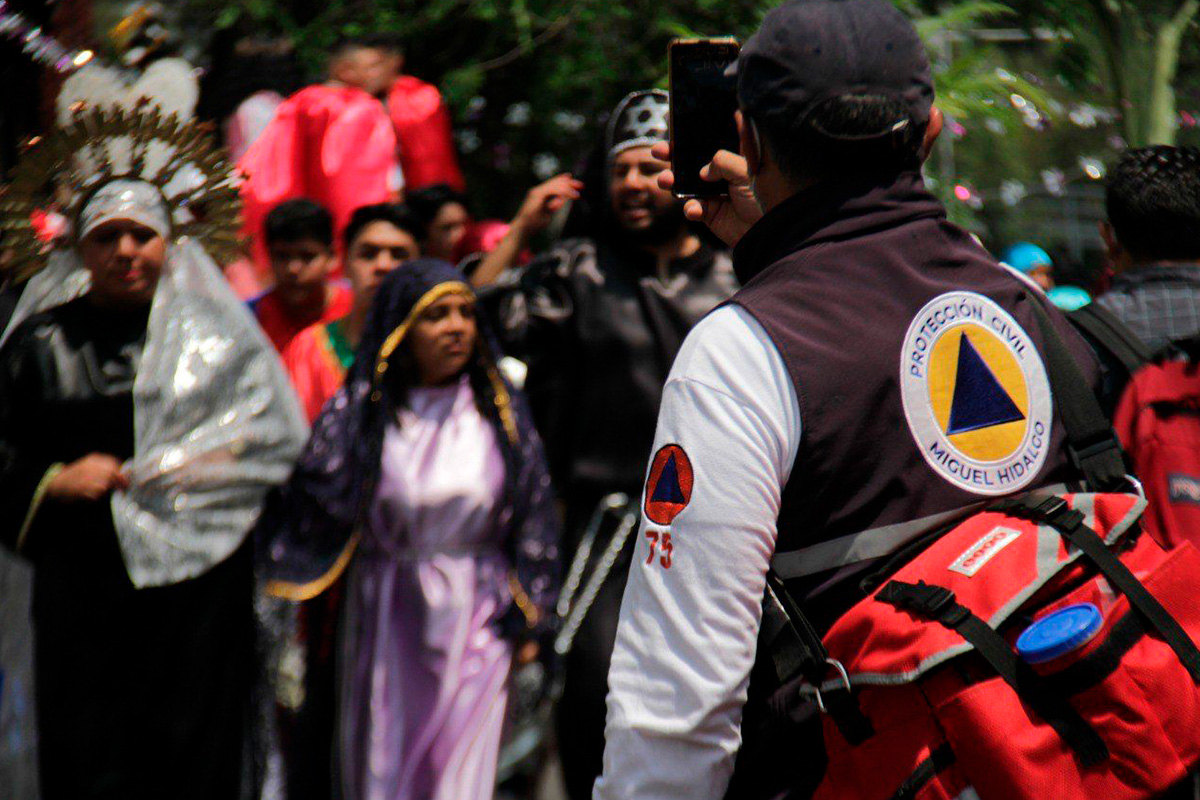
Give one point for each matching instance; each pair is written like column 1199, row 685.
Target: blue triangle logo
column 979, row 399
column 667, row 488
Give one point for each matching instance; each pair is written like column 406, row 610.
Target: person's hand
column 90, row 478
column 727, row 217
column 543, row 201
column 527, row 653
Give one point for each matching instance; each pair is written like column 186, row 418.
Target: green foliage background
column 528, row 80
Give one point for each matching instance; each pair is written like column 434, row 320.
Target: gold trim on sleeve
column 297, row 592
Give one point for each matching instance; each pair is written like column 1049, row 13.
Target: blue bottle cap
column 1059, row 632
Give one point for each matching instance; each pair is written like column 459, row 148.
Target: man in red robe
column 422, row 123
column 332, row 143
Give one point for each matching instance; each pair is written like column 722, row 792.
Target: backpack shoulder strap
column 1091, row 442
column 1106, row 330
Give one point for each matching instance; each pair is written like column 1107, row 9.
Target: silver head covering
column 216, row 423
column 638, row 120
column 134, row 200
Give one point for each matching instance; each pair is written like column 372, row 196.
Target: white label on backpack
column 983, row 551
column 976, row 395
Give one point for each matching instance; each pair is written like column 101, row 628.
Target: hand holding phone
column 703, row 102
column 729, row 216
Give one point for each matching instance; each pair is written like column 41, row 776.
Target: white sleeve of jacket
column 688, row 631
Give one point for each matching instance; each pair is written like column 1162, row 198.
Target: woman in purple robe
column 424, row 477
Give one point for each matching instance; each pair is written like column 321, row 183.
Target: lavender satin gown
column 424, row 683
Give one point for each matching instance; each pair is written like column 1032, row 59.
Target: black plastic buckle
column 1050, row 508
column 1055, row 512
column 927, row 600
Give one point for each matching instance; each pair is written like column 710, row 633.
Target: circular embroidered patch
column 669, row 487
column 975, row 394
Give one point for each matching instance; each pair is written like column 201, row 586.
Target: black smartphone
column 703, row 101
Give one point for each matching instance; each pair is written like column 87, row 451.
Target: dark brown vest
column 836, row 281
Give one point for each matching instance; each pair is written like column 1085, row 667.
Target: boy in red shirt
column 299, row 239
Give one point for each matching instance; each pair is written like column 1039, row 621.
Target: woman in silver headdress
column 143, row 417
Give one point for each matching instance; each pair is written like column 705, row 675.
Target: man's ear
column 932, row 131
column 749, row 143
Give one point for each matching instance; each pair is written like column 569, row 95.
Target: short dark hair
column 346, row 45
column 427, row 202
column 301, row 218
column 1153, row 203
column 396, row 214
column 841, row 135
column 387, row 42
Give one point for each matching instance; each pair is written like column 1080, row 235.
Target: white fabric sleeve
column 688, row 631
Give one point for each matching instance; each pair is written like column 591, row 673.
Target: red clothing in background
column 334, row 145
column 282, row 328
column 316, row 361
column 423, row 128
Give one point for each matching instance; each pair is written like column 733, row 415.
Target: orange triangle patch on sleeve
column 669, row 487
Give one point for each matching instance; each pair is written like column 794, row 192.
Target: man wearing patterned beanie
column 599, row 321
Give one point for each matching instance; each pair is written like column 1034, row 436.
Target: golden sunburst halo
column 64, row 168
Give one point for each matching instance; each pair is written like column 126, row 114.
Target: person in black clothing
column 141, row 423
column 138, row 690
column 599, row 321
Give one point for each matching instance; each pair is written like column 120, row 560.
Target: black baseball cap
column 808, row 51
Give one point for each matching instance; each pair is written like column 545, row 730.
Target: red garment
column 334, row 145
column 423, row 128
column 1160, row 429
column 281, row 328
column 316, row 360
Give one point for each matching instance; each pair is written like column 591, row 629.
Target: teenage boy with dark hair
column 443, row 211
column 1153, row 240
column 299, row 239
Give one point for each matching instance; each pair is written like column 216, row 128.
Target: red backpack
column 1157, row 418
column 1041, row 647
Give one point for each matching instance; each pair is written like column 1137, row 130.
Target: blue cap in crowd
column 1026, row 257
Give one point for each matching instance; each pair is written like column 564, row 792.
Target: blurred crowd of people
column 444, row 424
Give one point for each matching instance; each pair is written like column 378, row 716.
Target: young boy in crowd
column 299, row 238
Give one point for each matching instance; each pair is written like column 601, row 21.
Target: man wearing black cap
column 877, row 375
column 599, row 321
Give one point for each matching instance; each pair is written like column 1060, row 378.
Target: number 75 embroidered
column 660, row 542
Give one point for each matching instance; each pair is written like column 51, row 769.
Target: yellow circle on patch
column 993, row 442
column 975, row 394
